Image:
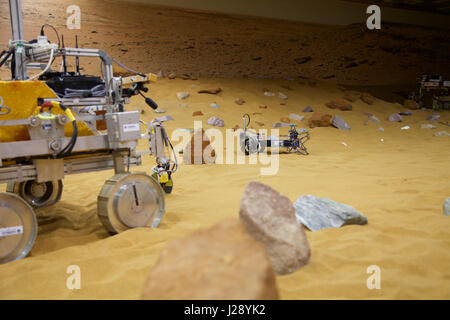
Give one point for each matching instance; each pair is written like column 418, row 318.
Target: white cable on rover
column 50, row 60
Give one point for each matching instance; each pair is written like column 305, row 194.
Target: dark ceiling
column 437, row 6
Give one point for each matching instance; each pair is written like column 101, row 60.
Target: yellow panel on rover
column 21, row 99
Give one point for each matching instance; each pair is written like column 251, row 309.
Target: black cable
column 73, row 140
column 57, row 35
column 2, row 62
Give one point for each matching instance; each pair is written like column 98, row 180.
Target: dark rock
column 197, row 113
column 340, row 104
column 215, row 90
column 368, row 98
column 303, row 60
column 411, row 105
column 240, row 101
column 308, row 109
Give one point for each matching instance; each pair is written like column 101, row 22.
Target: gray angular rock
column 270, row 219
column 446, row 207
column 164, row 119
column 395, row 117
column 281, row 124
column 282, row 95
column 434, row 117
column 340, row 123
column 320, row 213
column 427, row 126
column 296, row 117
column 183, row 95
column 308, row 109
column 442, row 134
column 406, row 113
column 217, row 122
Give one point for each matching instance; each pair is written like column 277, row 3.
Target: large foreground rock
column 320, row 213
column 270, row 218
column 446, row 207
column 199, row 150
column 223, row 262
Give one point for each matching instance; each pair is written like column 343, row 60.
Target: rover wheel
column 18, row 227
column 37, row 194
column 130, row 200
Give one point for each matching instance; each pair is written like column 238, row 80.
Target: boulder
column 308, row 109
column 172, row 76
column 446, row 207
column 406, row 113
column 263, row 107
column 217, row 122
column 320, row 119
column 395, row 117
column 270, row 219
column 320, row 213
column 411, row 104
column 427, row 126
column 214, row 90
column 199, row 150
column 220, row 263
column 368, row 98
column 197, row 113
column 340, row 123
column 340, row 104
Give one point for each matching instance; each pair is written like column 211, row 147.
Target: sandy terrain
column 399, row 184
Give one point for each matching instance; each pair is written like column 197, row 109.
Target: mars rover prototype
column 252, row 142
column 57, row 123
column 434, row 92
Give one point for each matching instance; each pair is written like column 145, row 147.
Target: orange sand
column 399, row 184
